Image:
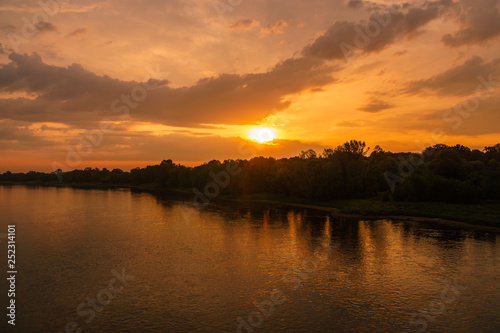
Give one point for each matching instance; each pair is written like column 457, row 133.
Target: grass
column 479, row 214
column 485, row 214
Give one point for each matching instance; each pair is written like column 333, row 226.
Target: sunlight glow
column 262, row 134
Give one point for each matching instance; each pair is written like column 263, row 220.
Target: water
column 199, row 271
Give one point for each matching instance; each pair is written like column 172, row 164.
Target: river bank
column 484, row 216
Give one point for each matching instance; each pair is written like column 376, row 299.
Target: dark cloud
column 51, row 83
column 109, row 42
column 385, row 27
column 367, row 67
column 17, row 135
column 355, row 4
column 243, row 25
column 239, row 99
column 479, row 21
column 376, row 105
column 7, row 27
column 1, row 49
column 400, row 53
column 276, row 28
column 368, row 5
column 74, row 95
column 45, row 27
column 459, row 80
column 77, row 32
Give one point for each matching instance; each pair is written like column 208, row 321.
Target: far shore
column 483, row 216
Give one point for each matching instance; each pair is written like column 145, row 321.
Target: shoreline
column 334, row 212
column 327, row 207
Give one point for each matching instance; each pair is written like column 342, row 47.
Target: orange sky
column 110, row 83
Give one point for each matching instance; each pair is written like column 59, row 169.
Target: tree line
column 442, row 173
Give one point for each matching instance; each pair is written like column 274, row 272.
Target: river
column 121, row 261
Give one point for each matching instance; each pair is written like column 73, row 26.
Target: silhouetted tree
column 440, row 173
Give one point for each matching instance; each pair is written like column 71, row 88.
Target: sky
column 121, row 83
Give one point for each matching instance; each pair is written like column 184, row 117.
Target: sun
column 262, row 134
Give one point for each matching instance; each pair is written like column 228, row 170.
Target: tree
column 353, row 148
column 307, row 154
column 492, row 152
column 327, row 153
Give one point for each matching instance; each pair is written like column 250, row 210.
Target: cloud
column 35, row 7
column 375, row 105
column 243, row 25
column 7, row 27
column 400, row 53
column 393, row 24
column 124, row 144
column 481, row 121
column 458, row 80
column 1, row 49
column 45, row 27
column 276, row 28
column 355, row 4
column 479, row 21
column 367, row 67
column 182, row 147
column 17, row 135
column 73, row 95
column 455, row 120
column 109, row 42
column 370, row 6
column 77, row 32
